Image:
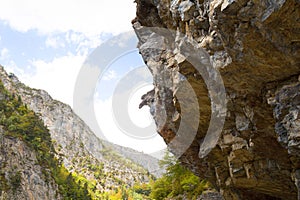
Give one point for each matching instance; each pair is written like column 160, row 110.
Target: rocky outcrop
column 21, row 176
column 254, row 47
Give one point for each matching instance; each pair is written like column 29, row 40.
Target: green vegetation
column 3, row 182
column 125, row 194
column 89, row 185
column 15, row 180
column 112, row 156
column 20, row 122
column 176, row 183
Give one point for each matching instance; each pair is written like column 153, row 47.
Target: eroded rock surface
column 24, row 178
column 254, row 45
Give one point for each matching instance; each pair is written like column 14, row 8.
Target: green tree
column 176, row 181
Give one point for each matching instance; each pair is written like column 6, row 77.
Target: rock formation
column 24, row 178
column 254, row 47
column 106, row 165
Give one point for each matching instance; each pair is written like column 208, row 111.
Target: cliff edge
column 250, row 52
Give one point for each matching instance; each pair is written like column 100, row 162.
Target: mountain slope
column 19, row 173
column 77, row 147
column 29, row 168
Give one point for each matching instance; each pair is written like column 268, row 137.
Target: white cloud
column 110, row 75
column 4, row 54
column 85, row 43
column 10, row 66
column 80, row 43
column 54, row 42
column 56, row 77
column 74, row 38
column 90, row 17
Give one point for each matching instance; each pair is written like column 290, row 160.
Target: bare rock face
column 24, row 178
column 254, row 47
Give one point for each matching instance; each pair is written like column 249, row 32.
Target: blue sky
column 45, row 44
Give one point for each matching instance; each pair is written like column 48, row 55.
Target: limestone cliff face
column 254, row 46
column 24, row 178
column 79, row 149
